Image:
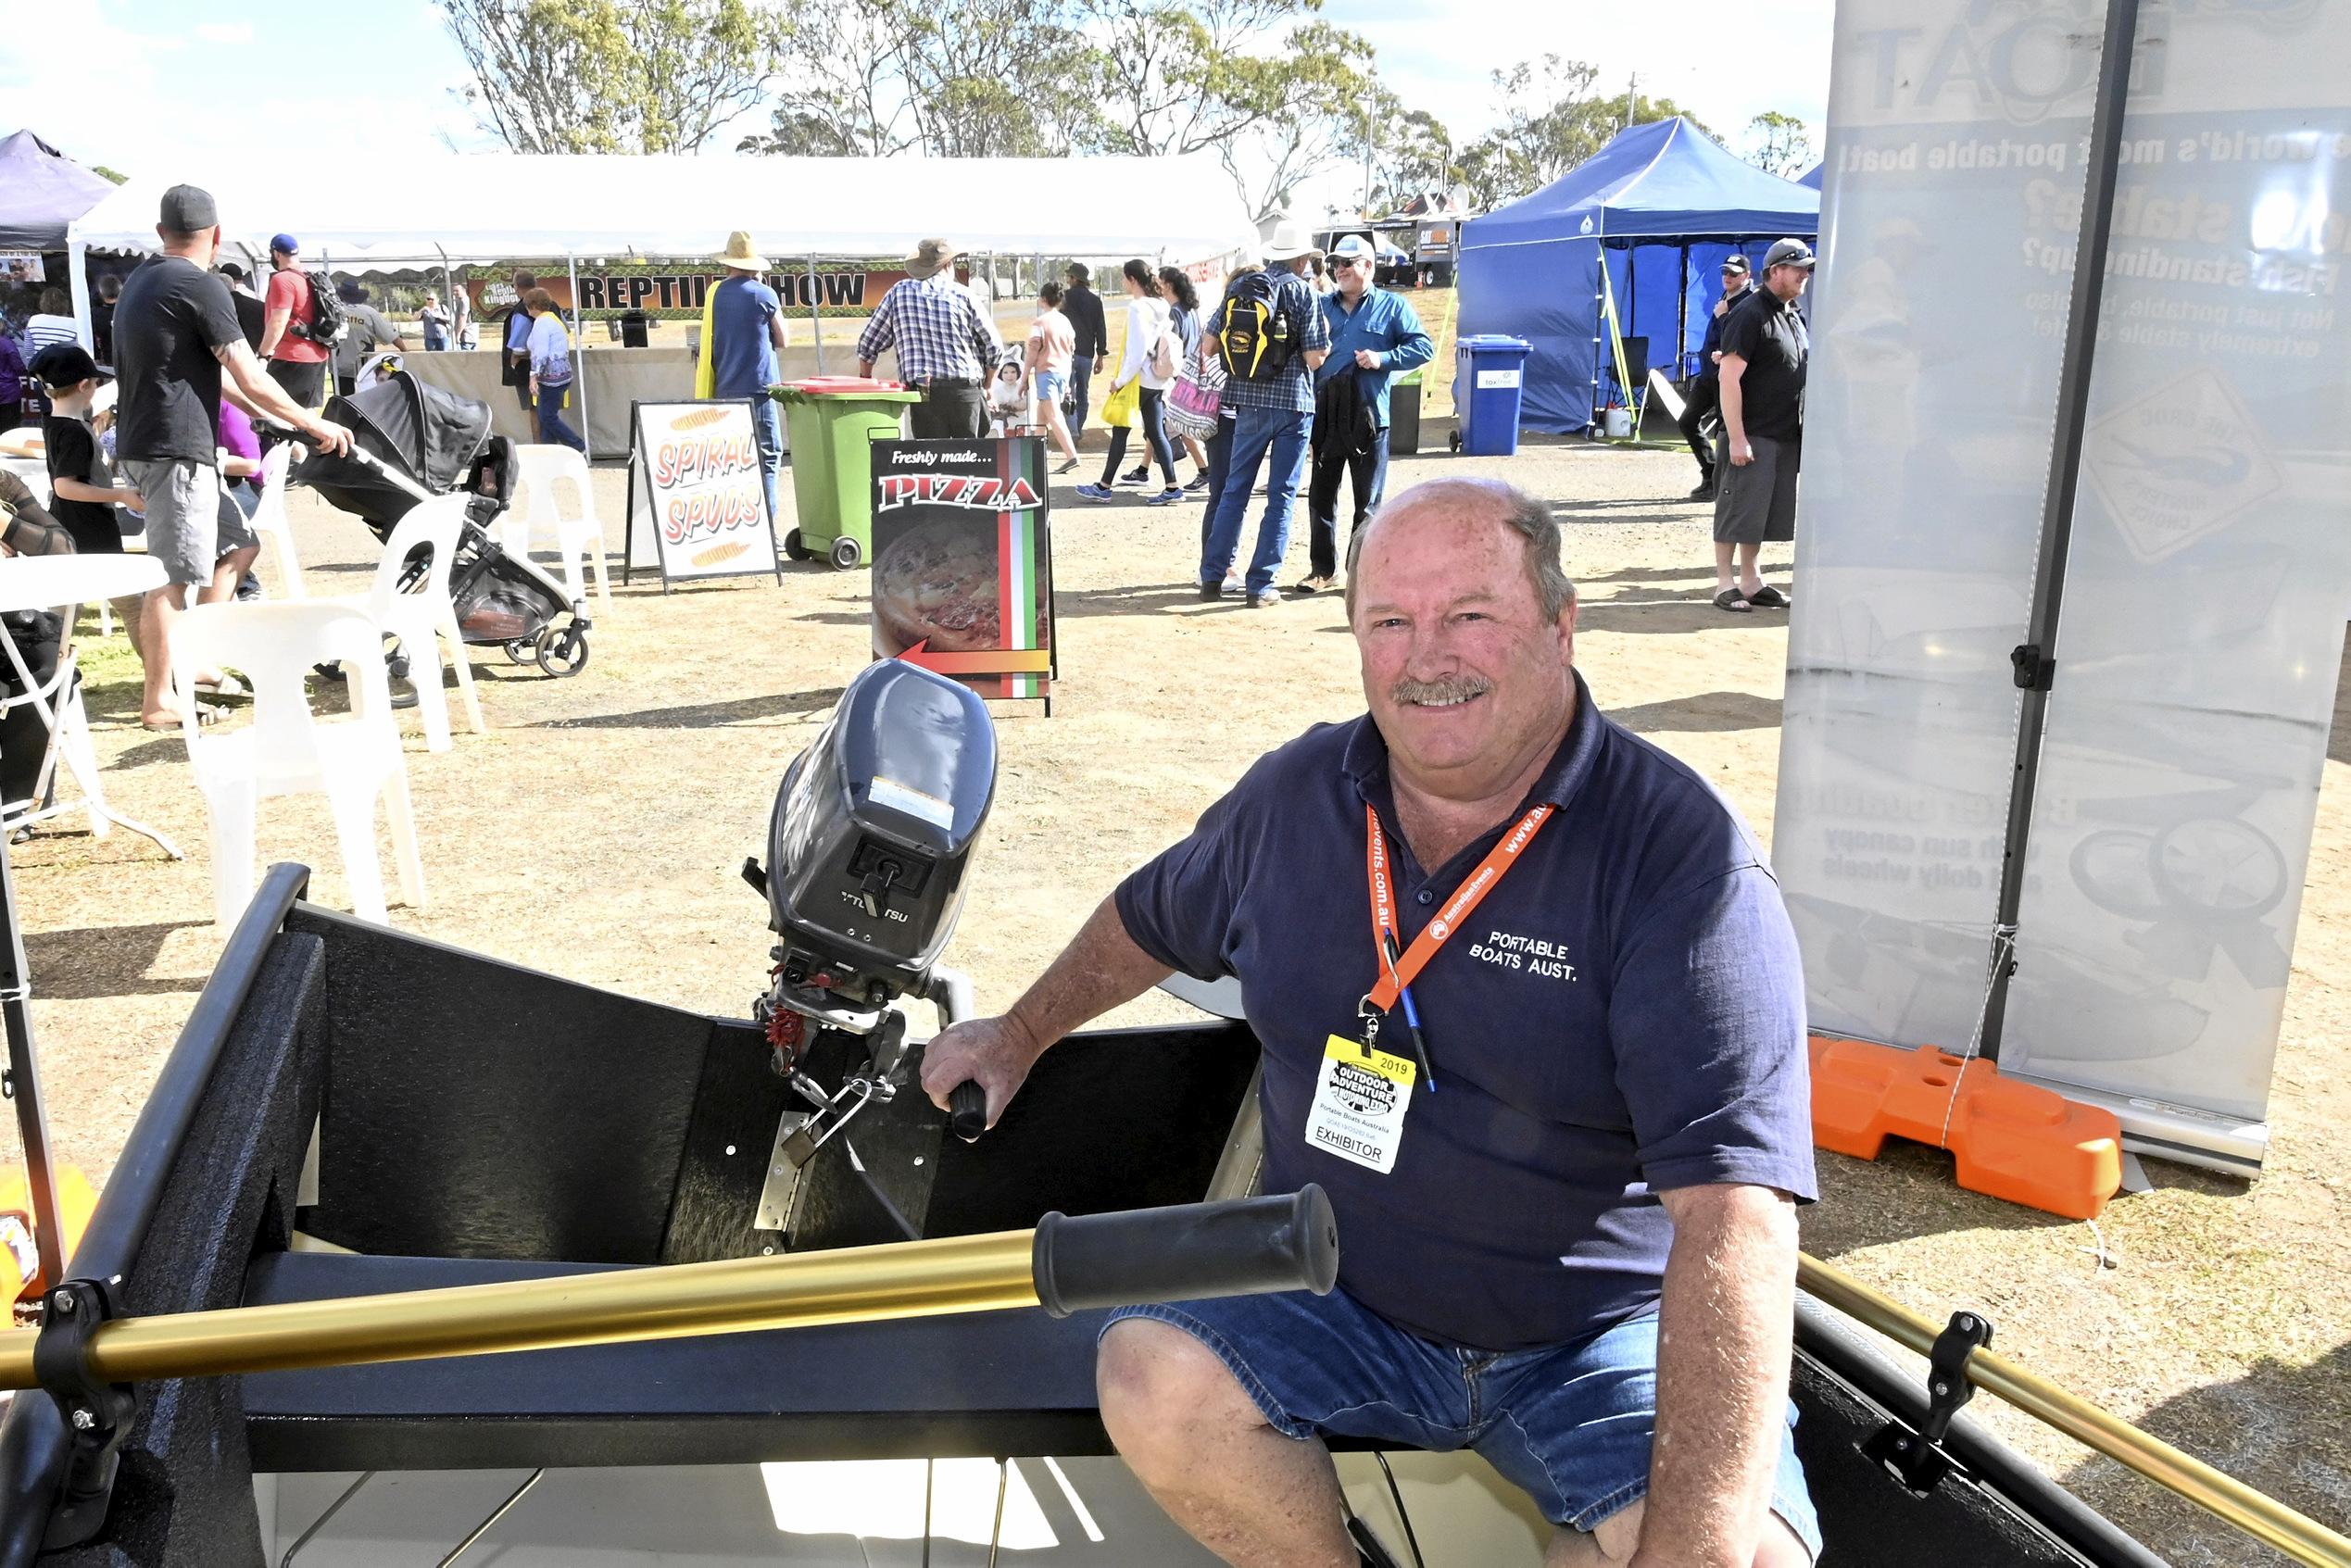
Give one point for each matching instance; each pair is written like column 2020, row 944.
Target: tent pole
column 1681, row 317
column 2035, row 660
column 816, row 314
column 579, row 356
column 78, row 280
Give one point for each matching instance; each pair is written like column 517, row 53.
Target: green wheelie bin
column 834, row 420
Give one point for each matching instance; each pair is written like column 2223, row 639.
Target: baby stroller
column 411, row 440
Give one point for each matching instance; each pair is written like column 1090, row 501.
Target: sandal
column 1728, row 599
column 228, row 685
column 172, row 726
column 1768, row 597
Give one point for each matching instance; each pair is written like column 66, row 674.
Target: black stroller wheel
column 523, row 651
column 565, row 653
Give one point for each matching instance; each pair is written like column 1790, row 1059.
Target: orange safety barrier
column 2014, row 1141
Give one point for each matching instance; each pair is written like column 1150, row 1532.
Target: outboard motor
column 868, row 850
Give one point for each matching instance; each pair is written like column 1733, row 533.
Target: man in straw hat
column 946, row 344
column 743, row 331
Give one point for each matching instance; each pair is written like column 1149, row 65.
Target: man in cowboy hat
column 1273, row 338
column 745, row 333
column 945, row 343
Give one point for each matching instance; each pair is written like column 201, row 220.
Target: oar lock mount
column 97, row 1414
column 1915, row 1455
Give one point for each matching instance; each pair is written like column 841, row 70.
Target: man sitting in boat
column 1546, row 1053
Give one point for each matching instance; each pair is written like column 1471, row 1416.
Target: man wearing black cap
column 1765, row 345
column 297, row 359
column 175, row 332
column 1705, row 388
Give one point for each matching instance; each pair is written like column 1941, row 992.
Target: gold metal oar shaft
column 797, row 1290
column 2262, row 1517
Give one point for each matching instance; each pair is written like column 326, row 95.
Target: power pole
column 1632, row 100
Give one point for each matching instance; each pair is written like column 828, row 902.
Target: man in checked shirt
column 945, row 343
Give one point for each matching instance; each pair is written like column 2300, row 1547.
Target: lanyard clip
column 1367, row 1017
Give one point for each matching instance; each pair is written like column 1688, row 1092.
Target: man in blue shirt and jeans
column 1375, row 336
column 747, row 333
column 1564, row 1167
column 1274, row 406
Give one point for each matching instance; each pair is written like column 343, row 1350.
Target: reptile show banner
column 963, row 562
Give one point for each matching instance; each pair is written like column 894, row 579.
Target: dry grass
column 596, row 831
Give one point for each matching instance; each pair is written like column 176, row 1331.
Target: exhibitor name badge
column 1360, row 1099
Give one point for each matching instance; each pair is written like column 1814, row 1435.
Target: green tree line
column 1272, row 89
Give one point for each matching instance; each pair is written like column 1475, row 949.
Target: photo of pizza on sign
column 963, row 562
column 696, row 486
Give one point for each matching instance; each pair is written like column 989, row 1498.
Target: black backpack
column 327, row 315
column 1259, row 338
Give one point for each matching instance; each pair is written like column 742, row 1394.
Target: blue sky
column 154, row 86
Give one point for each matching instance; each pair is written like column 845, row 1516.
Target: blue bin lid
column 1494, row 341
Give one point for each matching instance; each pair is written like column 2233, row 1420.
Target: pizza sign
column 963, row 562
column 697, row 491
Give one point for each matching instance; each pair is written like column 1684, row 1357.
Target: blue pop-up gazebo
column 1664, row 203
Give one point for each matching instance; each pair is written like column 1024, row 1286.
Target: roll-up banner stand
column 697, row 493
column 963, row 562
column 2185, row 634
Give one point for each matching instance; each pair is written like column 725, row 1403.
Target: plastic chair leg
column 354, row 807
column 231, row 804
column 458, row 652
column 401, row 816
column 432, row 702
column 603, row 576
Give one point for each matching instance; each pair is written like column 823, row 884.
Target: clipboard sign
column 696, row 492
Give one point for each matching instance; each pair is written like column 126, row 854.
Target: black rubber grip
column 1247, row 1246
column 967, row 1109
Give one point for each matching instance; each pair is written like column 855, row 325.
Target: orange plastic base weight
column 2012, row 1140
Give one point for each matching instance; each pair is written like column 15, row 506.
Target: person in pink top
column 1051, row 342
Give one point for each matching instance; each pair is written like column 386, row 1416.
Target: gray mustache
column 1451, row 688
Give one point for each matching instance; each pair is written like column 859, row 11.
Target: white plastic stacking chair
column 269, row 520
column 289, row 750
column 424, row 614
column 539, row 469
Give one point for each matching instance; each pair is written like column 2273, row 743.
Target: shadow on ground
column 1708, row 710
column 703, row 715
column 95, row 963
column 2285, row 1430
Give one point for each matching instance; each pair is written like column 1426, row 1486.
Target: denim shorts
column 1050, row 385
column 1568, row 1424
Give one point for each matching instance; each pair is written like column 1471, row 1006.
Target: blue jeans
column 1220, row 462
column 553, row 432
column 1081, row 386
column 1568, row 1424
column 767, row 424
column 1258, row 434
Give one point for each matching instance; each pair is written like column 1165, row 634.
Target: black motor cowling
column 871, row 839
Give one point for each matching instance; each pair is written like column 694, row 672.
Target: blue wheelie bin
column 1489, row 373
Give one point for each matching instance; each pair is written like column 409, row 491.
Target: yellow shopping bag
column 1123, row 405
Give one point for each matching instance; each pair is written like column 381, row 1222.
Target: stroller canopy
column 426, row 432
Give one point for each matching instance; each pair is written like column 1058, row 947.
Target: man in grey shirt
column 366, row 330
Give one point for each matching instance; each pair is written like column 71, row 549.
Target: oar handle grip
column 1246, row 1246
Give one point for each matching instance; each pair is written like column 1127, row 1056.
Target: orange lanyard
column 1396, row 975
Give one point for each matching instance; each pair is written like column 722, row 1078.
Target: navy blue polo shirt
column 1623, row 1013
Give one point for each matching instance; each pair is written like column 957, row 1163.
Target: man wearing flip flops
column 1765, row 345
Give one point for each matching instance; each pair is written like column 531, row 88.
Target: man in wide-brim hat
column 744, row 335
column 946, row 344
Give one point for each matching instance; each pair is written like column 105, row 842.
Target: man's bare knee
column 1611, row 1541
column 1162, row 1392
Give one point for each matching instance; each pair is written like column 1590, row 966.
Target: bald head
column 1451, row 500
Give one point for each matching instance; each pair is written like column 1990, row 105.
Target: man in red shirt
column 297, row 362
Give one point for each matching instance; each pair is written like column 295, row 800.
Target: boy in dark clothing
column 82, row 495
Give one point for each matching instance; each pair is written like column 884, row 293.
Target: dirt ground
column 597, row 830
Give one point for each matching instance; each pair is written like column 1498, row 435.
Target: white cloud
column 225, row 33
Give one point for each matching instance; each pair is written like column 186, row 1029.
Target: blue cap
column 1352, row 247
column 284, row 243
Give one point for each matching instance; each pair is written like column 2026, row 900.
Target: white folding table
column 65, row 584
